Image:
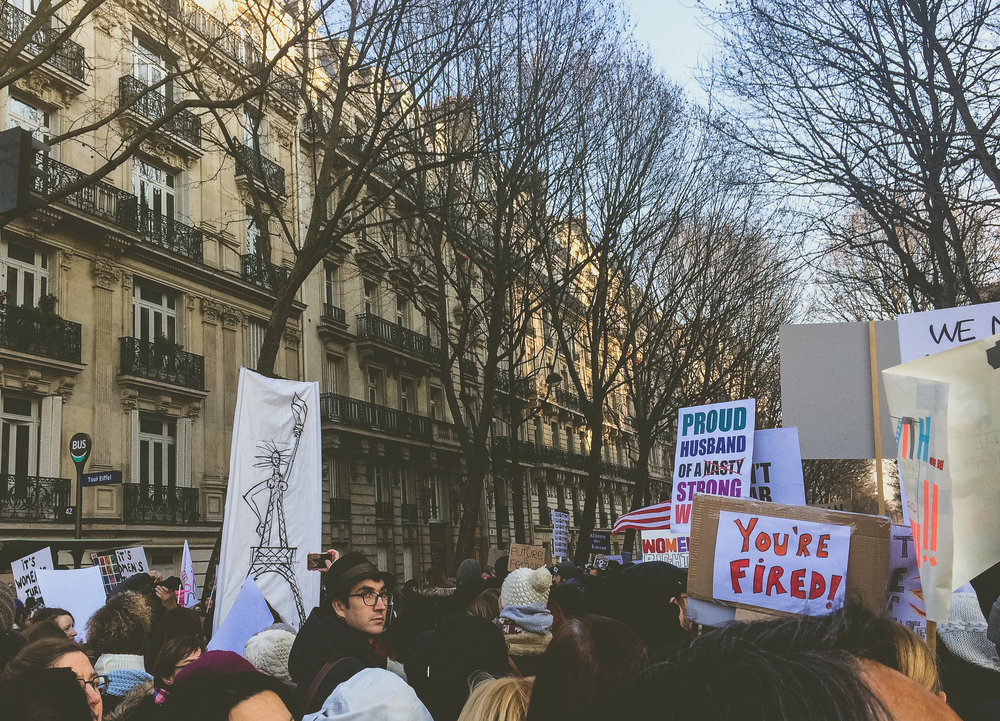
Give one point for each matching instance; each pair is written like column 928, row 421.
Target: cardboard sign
column 868, row 554
column 80, row 591
column 600, row 541
column 560, row 533
column 672, row 548
column 25, row 576
column 904, row 596
column 776, row 474
column 780, row 563
column 132, row 561
column 524, row 556
column 713, row 455
column 933, row 331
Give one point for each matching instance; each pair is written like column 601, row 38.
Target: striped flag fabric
column 650, row 518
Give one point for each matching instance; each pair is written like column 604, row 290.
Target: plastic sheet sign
column 714, row 455
column 780, row 563
column 905, row 596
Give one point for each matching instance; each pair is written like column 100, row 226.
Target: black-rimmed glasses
column 98, row 683
column 370, row 598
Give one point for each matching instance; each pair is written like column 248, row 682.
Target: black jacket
column 322, row 638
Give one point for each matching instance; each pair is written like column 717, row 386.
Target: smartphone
column 317, row 561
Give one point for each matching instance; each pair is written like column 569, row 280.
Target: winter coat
column 324, row 637
column 137, row 704
column 526, row 629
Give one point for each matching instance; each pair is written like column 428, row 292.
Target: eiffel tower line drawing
column 273, row 554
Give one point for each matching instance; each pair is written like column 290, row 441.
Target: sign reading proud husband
column 714, row 455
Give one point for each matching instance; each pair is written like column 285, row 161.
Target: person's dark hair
column 10, row 643
column 51, row 694
column 173, row 651
column 210, row 697
column 436, row 578
column 43, row 629
column 567, row 598
column 38, row 655
column 50, row 614
column 587, row 662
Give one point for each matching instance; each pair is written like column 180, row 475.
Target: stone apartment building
column 131, row 303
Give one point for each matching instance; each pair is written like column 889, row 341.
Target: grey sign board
column 826, row 387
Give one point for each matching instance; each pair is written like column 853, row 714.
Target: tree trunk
column 582, row 554
column 640, row 489
column 471, row 504
column 271, row 343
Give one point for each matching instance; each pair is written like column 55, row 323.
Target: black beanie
column 348, row 570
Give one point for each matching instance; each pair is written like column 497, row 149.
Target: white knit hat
column 965, row 632
column 523, row 586
column 268, row 651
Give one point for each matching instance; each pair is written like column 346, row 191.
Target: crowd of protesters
column 548, row 643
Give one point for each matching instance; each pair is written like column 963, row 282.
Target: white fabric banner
column 274, row 501
column 187, row 594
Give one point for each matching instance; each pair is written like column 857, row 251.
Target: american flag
column 650, row 518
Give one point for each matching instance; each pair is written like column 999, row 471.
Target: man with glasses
column 342, row 636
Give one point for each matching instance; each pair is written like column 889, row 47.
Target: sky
column 670, row 28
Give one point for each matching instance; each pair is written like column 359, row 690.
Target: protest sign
column 665, row 546
column 131, row 561
column 600, row 541
column 868, row 554
column 25, row 576
column 713, row 455
column 945, row 406
column 904, row 596
column 111, row 572
column 560, row 533
column 779, row 563
column 524, row 556
column 80, row 591
column 248, row 615
column 776, row 474
column 187, row 594
column 933, row 331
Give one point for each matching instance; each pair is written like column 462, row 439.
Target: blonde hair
column 486, row 604
column 914, row 657
column 501, row 699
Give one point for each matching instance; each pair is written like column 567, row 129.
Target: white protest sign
column 713, row 455
column 776, row 474
column 780, row 563
column 80, row 591
column 132, row 561
column 945, row 404
column 248, row 615
column 665, row 546
column 25, row 576
column 904, row 596
column 933, row 331
column 560, row 533
column 187, row 594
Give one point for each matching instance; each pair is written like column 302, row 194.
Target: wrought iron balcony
column 568, row 399
column 98, row 199
column 505, row 448
column 408, row 512
column 383, row 511
column 267, row 172
column 33, row 498
column 261, row 273
column 334, row 313
column 67, row 56
column 135, row 96
column 160, row 504
column 30, row 330
column 340, row 509
column 361, row 414
column 394, row 335
column 170, row 234
column 522, row 387
column 469, row 367
column 617, row 470
column 143, row 359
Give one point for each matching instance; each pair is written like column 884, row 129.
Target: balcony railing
column 395, row 335
column 334, row 313
column 505, row 448
column 568, row 399
column 98, row 198
column 383, row 510
column 270, row 174
column 160, row 504
column 262, row 273
column 361, row 414
column 340, row 509
column 617, row 470
column 408, row 512
column 143, row 359
column 469, row 367
column 33, row 498
column 170, row 234
column 152, row 105
column 29, row 330
column 523, row 387
column 67, row 57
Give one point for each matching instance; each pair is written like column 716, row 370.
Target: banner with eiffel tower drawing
column 274, row 500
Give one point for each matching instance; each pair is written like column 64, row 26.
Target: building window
column 253, row 232
column 569, row 440
column 331, row 374
column 407, row 490
column 20, row 423
column 334, row 476
column 371, row 297
column 26, row 273
column 407, row 398
column 402, row 312
column 253, row 125
column 331, row 285
column 157, row 450
column 437, row 404
column 41, row 123
column 150, row 67
column 255, row 341
column 554, row 428
column 374, row 389
column 538, row 431
column 436, row 510
column 383, row 487
column 154, row 312
column 155, row 188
